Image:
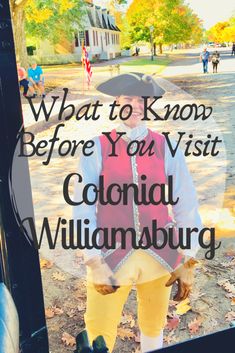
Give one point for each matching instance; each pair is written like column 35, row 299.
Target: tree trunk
column 154, row 49
column 160, row 48
column 18, row 17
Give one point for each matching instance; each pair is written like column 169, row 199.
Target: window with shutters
column 81, row 37
column 76, row 41
column 87, row 39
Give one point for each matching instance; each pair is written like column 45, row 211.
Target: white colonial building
column 100, row 35
column 98, row 32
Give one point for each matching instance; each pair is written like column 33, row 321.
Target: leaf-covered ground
column 211, row 306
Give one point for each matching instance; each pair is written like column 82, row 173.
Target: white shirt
column 185, row 212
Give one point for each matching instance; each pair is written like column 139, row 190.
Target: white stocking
column 149, row 344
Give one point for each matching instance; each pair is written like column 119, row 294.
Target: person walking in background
column 36, row 79
column 22, row 77
column 137, row 50
column 215, row 61
column 204, row 58
column 233, row 49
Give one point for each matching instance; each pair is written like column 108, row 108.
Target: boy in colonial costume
column 112, row 272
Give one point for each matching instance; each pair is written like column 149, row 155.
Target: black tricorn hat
column 131, row 84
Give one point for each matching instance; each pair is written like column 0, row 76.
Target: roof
column 100, row 18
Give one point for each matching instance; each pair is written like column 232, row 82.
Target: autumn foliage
column 222, row 31
column 171, row 20
column 44, row 19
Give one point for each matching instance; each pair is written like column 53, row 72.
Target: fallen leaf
column 233, row 301
column 125, row 333
column 230, row 316
column 227, row 286
column 58, row 276
column 194, row 325
column 71, row 313
column 68, row 339
column 57, row 311
column 49, row 313
column 81, row 306
column 173, row 323
column 221, row 282
column 43, row 263
column 183, row 307
column 46, row 264
column 170, row 338
column 173, row 303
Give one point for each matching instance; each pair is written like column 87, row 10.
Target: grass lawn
column 49, row 68
column 146, row 65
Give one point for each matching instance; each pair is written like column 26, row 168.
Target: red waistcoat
column 125, row 169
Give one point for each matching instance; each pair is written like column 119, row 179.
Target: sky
column 210, row 11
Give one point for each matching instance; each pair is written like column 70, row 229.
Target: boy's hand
column 102, row 276
column 184, row 276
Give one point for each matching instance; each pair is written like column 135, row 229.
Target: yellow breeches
column 103, row 312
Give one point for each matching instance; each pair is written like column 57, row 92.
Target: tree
column 125, row 29
column 222, row 31
column 198, row 33
column 171, row 21
column 216, row 33
column 229, row 32
column 18, row 18
column 44, row 19
column 115, row 8
column 54, row 19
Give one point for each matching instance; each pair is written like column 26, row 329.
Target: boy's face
column 137, row 104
